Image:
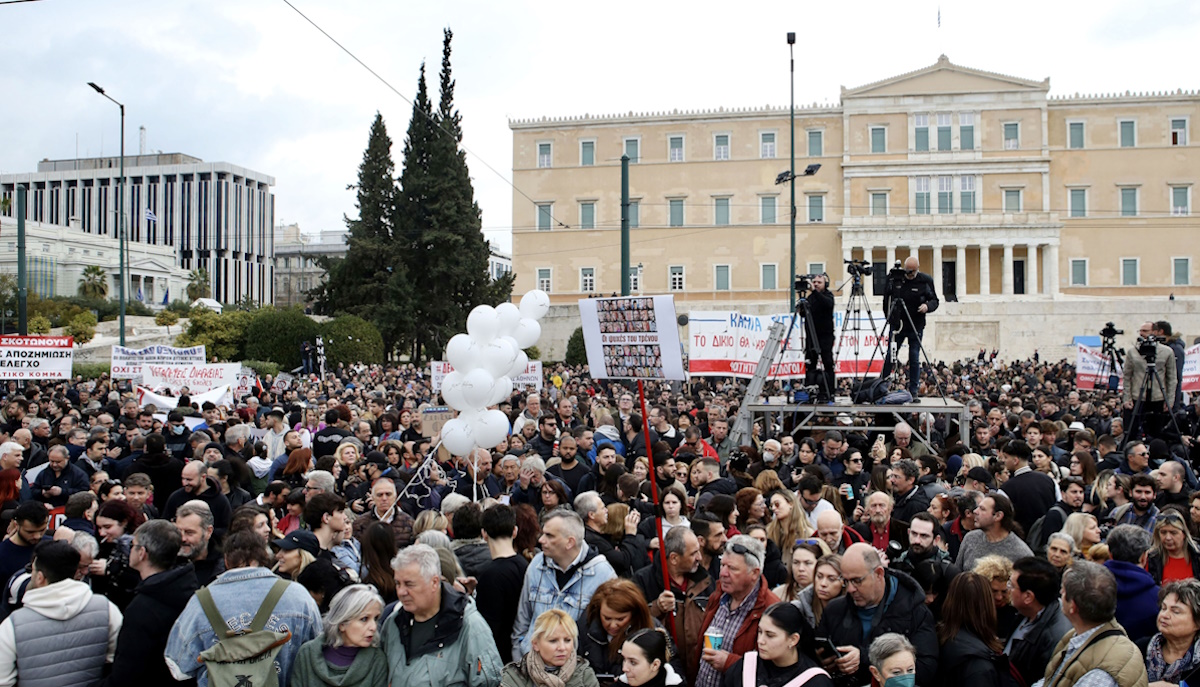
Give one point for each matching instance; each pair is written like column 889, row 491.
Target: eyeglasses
column 742, row 550
column 855, row 582
column 814, row 542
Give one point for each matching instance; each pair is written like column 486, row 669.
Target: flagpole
column 662, row 545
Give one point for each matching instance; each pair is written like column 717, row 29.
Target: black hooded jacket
column 142, row 643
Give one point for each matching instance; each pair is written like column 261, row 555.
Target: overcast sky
column 252, row 83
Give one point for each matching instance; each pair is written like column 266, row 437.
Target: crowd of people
column 315, row 531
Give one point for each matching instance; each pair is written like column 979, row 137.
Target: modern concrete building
column 210, row 215
column 1017, row 201
column 296, row 269
column 499, row 263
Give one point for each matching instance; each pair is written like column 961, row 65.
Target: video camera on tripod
column 1147, row 347
column 858, row 268
column 803, row 285
column 897, row 273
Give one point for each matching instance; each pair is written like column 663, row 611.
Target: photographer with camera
column 1148, row 401
column 820, row 313
column 917, row 294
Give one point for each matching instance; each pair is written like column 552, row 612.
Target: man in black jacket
column 157, row 602
column 820, row 313
column 1031, row 493
column 1034, row 589
column 626, row 557
column 918, row 297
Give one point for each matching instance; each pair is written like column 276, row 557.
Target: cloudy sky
column 252, row 83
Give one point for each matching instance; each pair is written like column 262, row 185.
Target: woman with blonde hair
column 430, row 520
column 790, row 523
column 552, row 660
column 1084, row 529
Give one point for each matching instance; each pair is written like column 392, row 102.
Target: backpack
column 870, row 390
column 894, row 398
column 1006, row 673
column 1035, row 539
column 244, row 659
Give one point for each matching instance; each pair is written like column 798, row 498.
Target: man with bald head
column 907, row 300
column 198, row 486
column 834, row 532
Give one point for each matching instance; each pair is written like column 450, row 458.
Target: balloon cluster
column 485, row 360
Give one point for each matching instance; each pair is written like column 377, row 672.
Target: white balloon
column 527, row 333
column 491, row 427
column 458, row 437
column 498, row 356
column 519, row 366
column 460, row 352
column 482, row 323
column 452, row 390
column 501, row 390
column 470, row 415
column 508, row 315
column 535, row 304
column 477, row 387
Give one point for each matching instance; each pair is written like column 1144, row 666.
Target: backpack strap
column 749, row 668
column 806, row 676
column 268, row 605
column 219, row 627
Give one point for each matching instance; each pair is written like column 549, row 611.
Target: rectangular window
column 721, row 147
column 816, row 143
column 766, row 145
column 633, row 149
column 1079, row 202
column 721, row 211
column 544, row 154
column 921, row 129
column 676, row 205
column 676, row 282
column 635, row 214
column 721, row 277
column 587, row 279
column 1179, row 200
column 1079, row 272
column 1129, row 198
column 587, row 153
column 1012, row 200
column 675, row 149
column 1182, row 269
column 543, row 279
column 769, row 281
column 945, row 195
column 635, row 279
column 966, row 131
column 1179, row 132
column 879, row 204
column 1075, row 135
column 816, row 208
column 878, row 139
column 943, row 131
column 1012, row 135
column 966, row 196
column 767, row 209
column 1129, row 271
column 921, row 196
column 816, row 268
column 587, row 215
column 1128, row 129
column 545, row 216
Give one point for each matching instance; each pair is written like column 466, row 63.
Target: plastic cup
column 713, row 639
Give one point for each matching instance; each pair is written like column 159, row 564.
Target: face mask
column 768, row 457
column 909, row 680
column 178, row 429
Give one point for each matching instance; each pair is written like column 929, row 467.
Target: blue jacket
column 72, row 480
column 237, row 594
column 461, row 653
column 1137, row 599
column 541, row 592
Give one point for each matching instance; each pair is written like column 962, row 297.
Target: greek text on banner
column 36, row 357
column 127, row 362
column 196, row 378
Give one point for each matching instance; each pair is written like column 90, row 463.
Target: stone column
column 891, row 257
column 1031, row 269
column 1051, row 263
column 936, row 267
column 1006, row 271
column 985, row 270
column 960, row 271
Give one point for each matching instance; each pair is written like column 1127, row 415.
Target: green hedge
column 276, row 335
column 350, row 339
column 262, row 368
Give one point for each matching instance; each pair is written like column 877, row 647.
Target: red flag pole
column 662, row 547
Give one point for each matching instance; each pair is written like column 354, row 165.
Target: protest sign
column 247, row 383
column 1093, row 371
column 433, row 418
column 127, row 362
column 1190, row 381
column 219, row 396
column 631, row 337
column 195, row 378
column 531, row 377
column 730, row 343
column 36, row 357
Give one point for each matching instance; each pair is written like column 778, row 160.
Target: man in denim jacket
column 238, row 593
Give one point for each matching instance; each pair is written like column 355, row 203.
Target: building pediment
column 944, row 78
column 151, row 264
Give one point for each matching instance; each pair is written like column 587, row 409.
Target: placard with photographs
column 632, row 337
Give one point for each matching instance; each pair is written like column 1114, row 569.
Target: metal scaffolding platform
column 824, row 417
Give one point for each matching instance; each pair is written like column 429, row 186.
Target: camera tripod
column 1135, row 428
column 1113, row 358
column 897, row 308
column 855, row 305
column 812, row 344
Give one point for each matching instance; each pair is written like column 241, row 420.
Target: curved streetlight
column 120, row 215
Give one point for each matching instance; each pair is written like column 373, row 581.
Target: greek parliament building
column 1040, row 216
column 211, row 215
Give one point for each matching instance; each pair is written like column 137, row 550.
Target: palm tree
column 198, row 284
column 94, row 282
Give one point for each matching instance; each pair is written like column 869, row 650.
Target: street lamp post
column 120, row 215
column 791, row 39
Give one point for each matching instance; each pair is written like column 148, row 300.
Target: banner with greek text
column 1093, row 371
column 1190, row 381
column 631, row 337
column 36, row 357
column 196, row 378
column 127, row 362
column 729, row 343
column 531, row 377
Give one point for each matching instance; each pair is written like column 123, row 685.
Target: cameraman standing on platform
column 820, row 313
column 916, row 291
column 1154, row 414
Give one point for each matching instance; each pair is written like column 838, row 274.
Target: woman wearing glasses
column 780, row 659
column 1174, row 555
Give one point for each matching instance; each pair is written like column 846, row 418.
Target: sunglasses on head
column 743, row 550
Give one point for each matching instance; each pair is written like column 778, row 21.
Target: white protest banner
column 219, row 396
column 631, row 337
column 196, row 378
column 1191, row 369
column 247, row 383
column 127, row 362
column 1093, row 371
column 36, row 357
column 531, row 377
column 729, row 343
